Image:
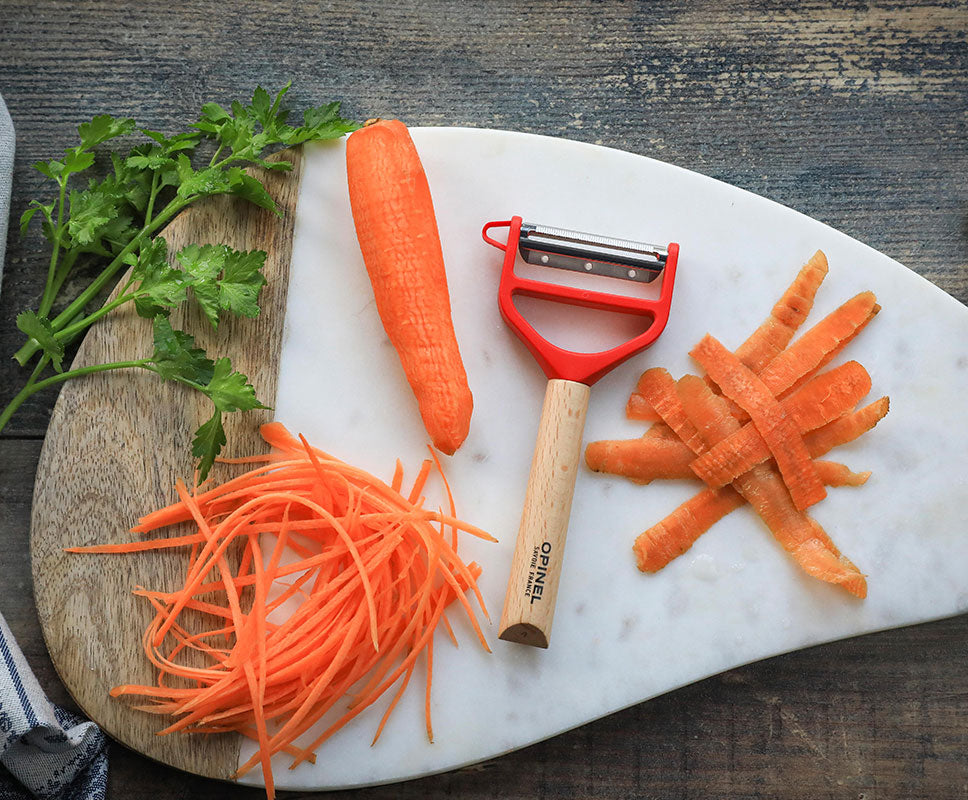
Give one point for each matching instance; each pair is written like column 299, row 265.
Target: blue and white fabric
column 46, row 752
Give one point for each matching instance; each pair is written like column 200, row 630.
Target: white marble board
column 620, row 637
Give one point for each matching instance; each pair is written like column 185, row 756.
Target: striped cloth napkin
column 45, row 751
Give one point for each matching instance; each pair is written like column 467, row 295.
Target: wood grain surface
column 116, row 443
column 855, row 113
column 529, row 602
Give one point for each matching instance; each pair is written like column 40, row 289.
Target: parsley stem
column 198, row 387
column 69, row 332
column 33, row 385
column 47, row 298
column 67, row 263
column 152, row 196
column 14, row 404
column 69, row 314
column 108, row 272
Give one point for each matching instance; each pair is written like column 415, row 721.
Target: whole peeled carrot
column 397, row 230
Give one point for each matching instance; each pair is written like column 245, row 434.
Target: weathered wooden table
column 853, row 113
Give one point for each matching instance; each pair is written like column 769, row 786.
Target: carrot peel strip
column 659, row 389
column 771, row 337
column 822, row 400
column 789, row 313
column 802, row 537
column 776, row 427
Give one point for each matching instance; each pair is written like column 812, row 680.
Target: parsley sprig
column 110, row 219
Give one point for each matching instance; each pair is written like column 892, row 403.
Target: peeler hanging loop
column 494, row 242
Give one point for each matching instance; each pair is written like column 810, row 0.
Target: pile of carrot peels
column 754, row 430
column 318, row 580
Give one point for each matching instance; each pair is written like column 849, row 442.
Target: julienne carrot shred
column 773, row 460
column 340, row 582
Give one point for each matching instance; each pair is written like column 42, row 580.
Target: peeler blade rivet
column 631, row 273
column 544, row 259
column 588, row 266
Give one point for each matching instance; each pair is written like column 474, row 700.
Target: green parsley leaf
column 249, row 129
column 213, row 114
column 323, row 122
column 176, row 358
column 224, row 279
column 178, row 142
column 90, row 210
column 262, row 105
column 181, row 142
column 161, row 287
column 77, row 160
column 132, row 182
column 115, row 235
column 208, row 443
column 159, row 156
column 119, row 200
column 202, row 266
column 230, row 390
column 204, row 182
column 252, row 189
column 47, row 212
column 39, row 329
column 241, row 282
column 52, row 169
column 102, row 128
column 152, row 161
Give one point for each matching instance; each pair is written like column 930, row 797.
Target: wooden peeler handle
column 529, row 605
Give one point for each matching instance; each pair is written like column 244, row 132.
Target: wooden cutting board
column 117, row 442
column 115, row 445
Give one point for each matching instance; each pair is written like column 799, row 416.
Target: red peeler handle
column 558, row 362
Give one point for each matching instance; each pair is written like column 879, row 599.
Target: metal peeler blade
column 591, row 253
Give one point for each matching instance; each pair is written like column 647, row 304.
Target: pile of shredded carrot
column 318, row 580
column 754, row 429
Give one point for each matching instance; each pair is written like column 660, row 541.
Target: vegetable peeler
column 529, row 603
